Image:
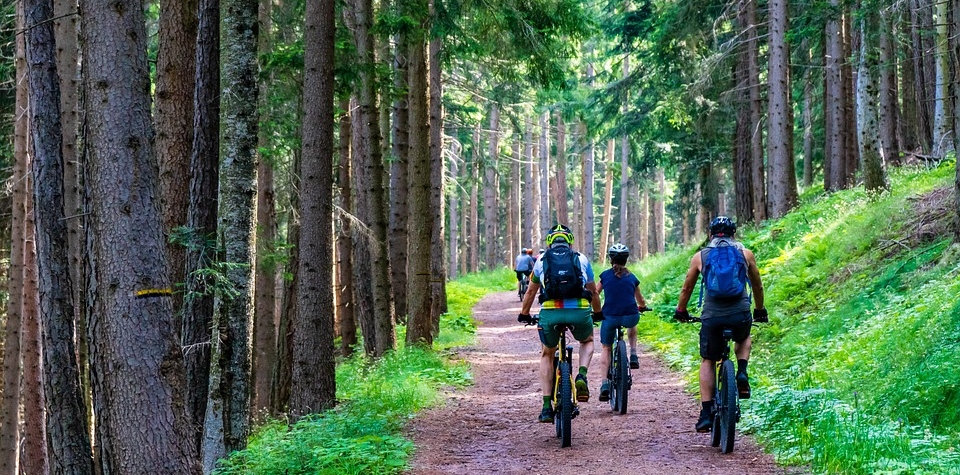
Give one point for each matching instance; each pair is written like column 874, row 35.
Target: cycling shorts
column 711, row 333
column 578, row 318
column 521, row 273
column 608, row 327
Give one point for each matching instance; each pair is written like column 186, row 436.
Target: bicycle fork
column 567, row 356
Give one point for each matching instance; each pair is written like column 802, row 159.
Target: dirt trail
column 492, row 426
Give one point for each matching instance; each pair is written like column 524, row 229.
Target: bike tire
column 623, row 377
column 729, row 406
column 564, row 413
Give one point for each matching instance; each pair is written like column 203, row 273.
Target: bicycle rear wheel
column 622, row 375
column 564, row 413
column 729, row 406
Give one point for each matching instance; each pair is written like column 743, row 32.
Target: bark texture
column 490, row 191
column 782, row 192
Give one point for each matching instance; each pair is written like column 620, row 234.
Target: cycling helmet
column 618, row 253
column 559, row 234
column 722, row 226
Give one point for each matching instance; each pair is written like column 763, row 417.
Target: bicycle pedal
column 576, row 412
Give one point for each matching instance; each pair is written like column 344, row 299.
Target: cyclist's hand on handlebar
column 760, row 315
column 525, row 319
column 643, row 308
column 597, row 316
column 682, row 316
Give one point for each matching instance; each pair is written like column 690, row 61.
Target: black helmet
column 722, row 226
column 618, row 253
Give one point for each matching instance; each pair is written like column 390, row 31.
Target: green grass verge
column 362, row 435
column 859, row 370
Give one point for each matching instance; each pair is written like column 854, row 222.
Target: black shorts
column 521, row 273
column 711, row 333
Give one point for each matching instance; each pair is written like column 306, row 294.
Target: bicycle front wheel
column 622, row 375
column 564, row 411
column 729, row 406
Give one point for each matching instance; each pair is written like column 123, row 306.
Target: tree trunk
column 545, row 220
column 454, row 213
column 889, row 109
column 560, row 194
column 35, row 456
column 236, row 226
column 920, row 29
column 265, row 300
column 195, row 330
column 743, row 128
column 954, row 45
column 141, row 423
column 625, row 187
column 782, row 172
column 941, row 121
column 758, row 174
column 589, row 246
column 473, row 227
column 536, row 197
column 420, row 323
column 283, row 372
column 835, row 114
column 348, row 318
column 513, row 244
column 438, row 284
column 868, row 121
column 644, row 224
column 10, row 402
column 657, row 205
column 909, row 127
column 608, row 200
column 850, row 46
column 173, row 119
column 490, row 188
column 314, row 382
column 69, row 442
column 807, row 115
column 529, row 213
column 399, row 181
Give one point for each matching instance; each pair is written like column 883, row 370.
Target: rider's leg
column 605, row 360
column 586, row 351
column 742, row 349
column 632, row 338
column 707, row 383
column 546, row 372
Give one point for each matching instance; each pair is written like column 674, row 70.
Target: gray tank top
column 713, row 307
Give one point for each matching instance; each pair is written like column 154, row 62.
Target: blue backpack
column 724, row 272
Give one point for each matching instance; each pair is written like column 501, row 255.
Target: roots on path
column 491, row 427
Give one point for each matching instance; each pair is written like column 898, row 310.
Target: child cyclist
column 622, row 304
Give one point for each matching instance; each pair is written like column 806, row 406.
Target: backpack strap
column 703, row 255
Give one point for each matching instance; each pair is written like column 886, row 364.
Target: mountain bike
column 619, row 374
column 524, row 284
column 564, row 391
column 726, row 399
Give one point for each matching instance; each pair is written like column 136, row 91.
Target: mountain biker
column 622, row 302
column 718, row 314
column 576, row 312
column 523, row 265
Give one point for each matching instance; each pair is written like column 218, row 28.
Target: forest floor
column 491, row 427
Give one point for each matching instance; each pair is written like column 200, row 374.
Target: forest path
column 491, row 427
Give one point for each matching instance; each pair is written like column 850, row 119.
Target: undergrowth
column 859, row 370
column 363, row 434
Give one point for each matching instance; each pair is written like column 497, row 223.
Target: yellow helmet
column 559, row 233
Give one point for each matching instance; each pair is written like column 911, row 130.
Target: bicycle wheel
column 564, row 413
column 715, row 417
column 729, row 406
column 622, row 377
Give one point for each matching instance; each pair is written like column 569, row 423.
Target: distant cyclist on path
column 721, row 310
column 568, row 295
column 523, row 266
column 622, row 302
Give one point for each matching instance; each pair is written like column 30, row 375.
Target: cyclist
column 574, row 311
column 718, row 314
column 523, row 265
column 622, row 302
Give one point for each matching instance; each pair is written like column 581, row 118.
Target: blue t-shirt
column 619, row 293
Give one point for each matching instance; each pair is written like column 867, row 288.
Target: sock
column 546, row 402
column 633, row 352
column 583, row 371
column 742, row 366
column 706, row 407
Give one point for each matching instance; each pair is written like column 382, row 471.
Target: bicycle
column 619, row 374
column 726, row 399
column 524, row 284
column 564, row 391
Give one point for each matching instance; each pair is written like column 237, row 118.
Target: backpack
column 724, row 272
column 562, row 278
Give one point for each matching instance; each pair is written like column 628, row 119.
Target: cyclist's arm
column 641, row 302
column 595, row 300
column 528, row 297
column 689, row 282
column 754, row 273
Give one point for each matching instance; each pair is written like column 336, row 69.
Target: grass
column 859, row 370
column 363, row 434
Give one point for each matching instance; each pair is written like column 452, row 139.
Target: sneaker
column 605, row 391
column 705, row 422
column 546, row 415
column 634, row 362
column 583, row 391
column 743, row 385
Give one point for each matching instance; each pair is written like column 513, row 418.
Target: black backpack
column 562, row 278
